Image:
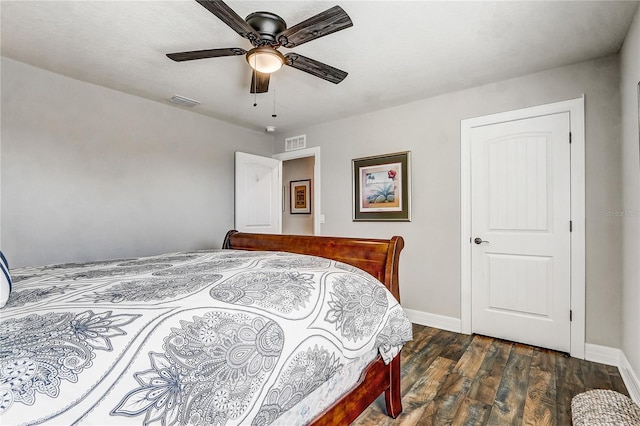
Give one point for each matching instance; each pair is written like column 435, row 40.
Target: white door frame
column 575, row 107
column 304, row 153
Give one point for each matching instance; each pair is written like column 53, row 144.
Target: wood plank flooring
column 456, row 379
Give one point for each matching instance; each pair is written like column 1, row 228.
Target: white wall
column 298, row 169
column 430, row 263
column 92, row 173
column 630, row 76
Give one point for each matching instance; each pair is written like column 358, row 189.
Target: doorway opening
column 301, row 165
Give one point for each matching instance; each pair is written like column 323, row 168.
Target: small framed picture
column 300, row 192
column 382, row 188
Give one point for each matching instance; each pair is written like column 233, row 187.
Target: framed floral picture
column 382, row 188
column 300, row 191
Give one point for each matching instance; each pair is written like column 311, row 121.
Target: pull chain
column 255, row 83
column 274, row 115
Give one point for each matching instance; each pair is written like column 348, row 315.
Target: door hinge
column 570, row 315
column 570, row 137
column 570, row 226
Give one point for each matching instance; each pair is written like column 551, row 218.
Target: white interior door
column 258, row 194
column 521, row 248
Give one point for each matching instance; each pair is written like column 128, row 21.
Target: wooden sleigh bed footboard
column 379, row 258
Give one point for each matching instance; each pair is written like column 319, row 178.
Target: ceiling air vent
column 296, row 142
column 182, row 101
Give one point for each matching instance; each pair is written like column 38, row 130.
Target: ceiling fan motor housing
column 267, row 24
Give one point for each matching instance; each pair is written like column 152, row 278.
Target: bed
column 272, row 329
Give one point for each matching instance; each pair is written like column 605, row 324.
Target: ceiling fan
column 267, row 32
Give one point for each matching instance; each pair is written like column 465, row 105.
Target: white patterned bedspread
column 216, row 337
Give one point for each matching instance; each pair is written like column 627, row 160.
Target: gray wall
column 92, row 173
column 430, row 263
column 630, row 76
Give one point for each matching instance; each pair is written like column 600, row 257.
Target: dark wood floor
column 456, row 379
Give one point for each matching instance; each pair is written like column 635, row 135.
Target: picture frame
column 382, row 187
column 300, row 196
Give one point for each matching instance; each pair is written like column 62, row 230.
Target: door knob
column 479, row 240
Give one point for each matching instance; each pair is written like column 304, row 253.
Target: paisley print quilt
column 217, row 337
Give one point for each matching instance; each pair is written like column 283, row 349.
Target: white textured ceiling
column 396, row 52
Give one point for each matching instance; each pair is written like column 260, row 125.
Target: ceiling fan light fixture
column 265, row 59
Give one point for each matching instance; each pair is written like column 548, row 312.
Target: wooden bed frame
column 379, row 258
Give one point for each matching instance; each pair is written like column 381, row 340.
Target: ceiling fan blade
column 316, row 68
column 320, row 25
column 229, row 17
column 259, row 82
column 207, row 53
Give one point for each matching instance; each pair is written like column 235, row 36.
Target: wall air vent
column 296, row 142
column 182, row 101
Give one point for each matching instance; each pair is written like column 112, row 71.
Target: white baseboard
column 434, row 320
column 616, row 357
column 602, row 354
column 630, row 379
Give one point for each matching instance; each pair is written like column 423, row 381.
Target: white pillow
column 5, row 280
